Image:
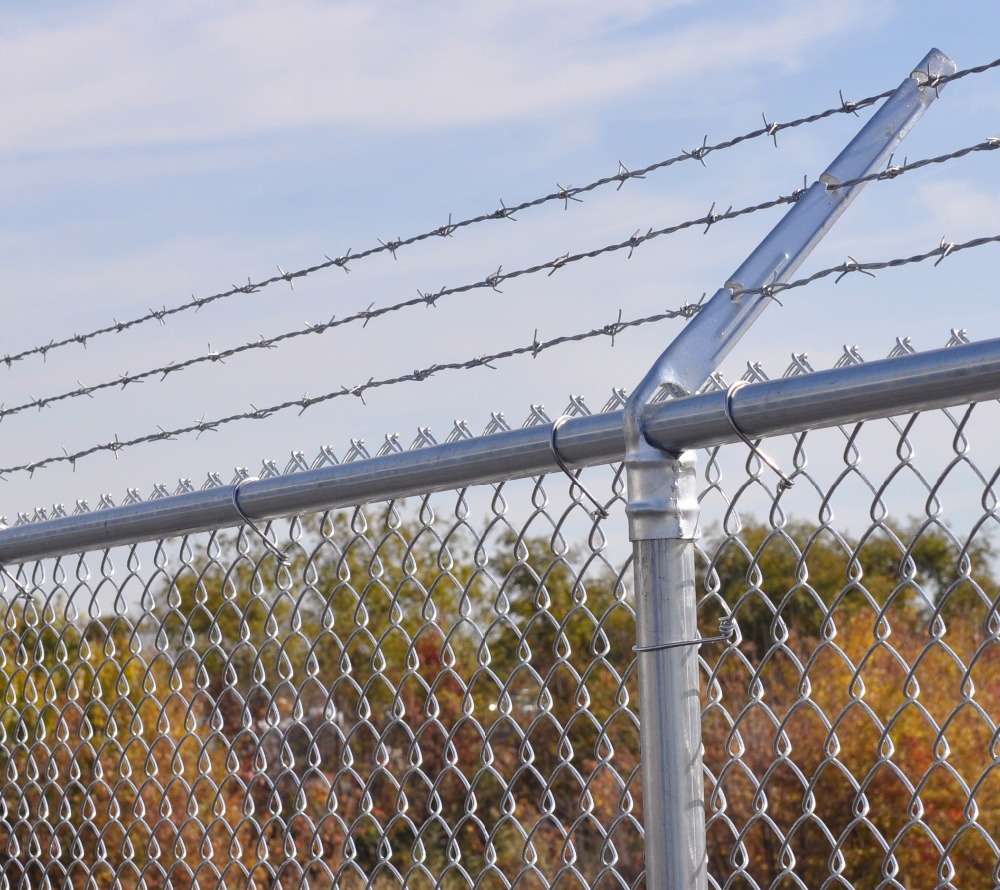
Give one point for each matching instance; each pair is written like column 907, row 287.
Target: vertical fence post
column 662, row 494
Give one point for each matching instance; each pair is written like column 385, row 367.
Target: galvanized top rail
column 905, row 384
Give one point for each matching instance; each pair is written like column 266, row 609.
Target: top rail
column 905, row 384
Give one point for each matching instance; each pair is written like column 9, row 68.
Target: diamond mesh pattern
column 851, row 734
column 442, row 691
column 420, row 698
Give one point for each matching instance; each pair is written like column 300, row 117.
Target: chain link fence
column 440, row 691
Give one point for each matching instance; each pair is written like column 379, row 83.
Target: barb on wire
column 945, row 248
column 561, row 194
column 892, row 171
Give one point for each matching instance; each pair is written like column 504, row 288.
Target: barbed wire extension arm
column 491, row 282
column 534, row 348
column 563, row 193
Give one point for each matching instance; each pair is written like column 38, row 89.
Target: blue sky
column 157, row 151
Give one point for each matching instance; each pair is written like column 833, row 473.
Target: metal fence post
column 662, row 494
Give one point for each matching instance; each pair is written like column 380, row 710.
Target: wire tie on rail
column 727, row 628
column 279, row 554
column 785, row 483
column 22, row 591
column 601, row 511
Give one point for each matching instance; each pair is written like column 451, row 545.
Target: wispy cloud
column 961, row 208
column 139, row 73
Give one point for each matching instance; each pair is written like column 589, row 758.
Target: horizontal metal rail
column 901, row 385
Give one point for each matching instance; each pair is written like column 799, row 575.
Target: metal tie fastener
column 784, row 483
column 727, row 627
column 280, row 554
column 601, row 511
column 22, row 591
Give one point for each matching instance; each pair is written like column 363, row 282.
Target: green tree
column 783, row 583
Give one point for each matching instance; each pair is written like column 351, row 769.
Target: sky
column 154, row 153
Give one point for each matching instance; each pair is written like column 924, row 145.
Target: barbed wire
column 563, row 193
column 687, row 310
column 891, row 171
column 534, row 348
column 428, row 299
column 944, row 249
column 491, row 281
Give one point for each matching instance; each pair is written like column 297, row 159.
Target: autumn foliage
column 401, row 706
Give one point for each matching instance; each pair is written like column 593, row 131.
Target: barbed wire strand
column 563, row 193
column 944, row 249
column 428, row 299
column 492, row 282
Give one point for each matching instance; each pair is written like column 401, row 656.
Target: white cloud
column 135, row 73
column 961, row 208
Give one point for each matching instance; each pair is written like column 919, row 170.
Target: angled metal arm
column 663, row 496
column 690, row 359
column 708, row 338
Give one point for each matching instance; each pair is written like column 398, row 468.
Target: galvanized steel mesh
column 442, row 691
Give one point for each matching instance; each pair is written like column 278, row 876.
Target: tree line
column 404, row 704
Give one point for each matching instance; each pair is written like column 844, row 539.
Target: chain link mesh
column 441, row 692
